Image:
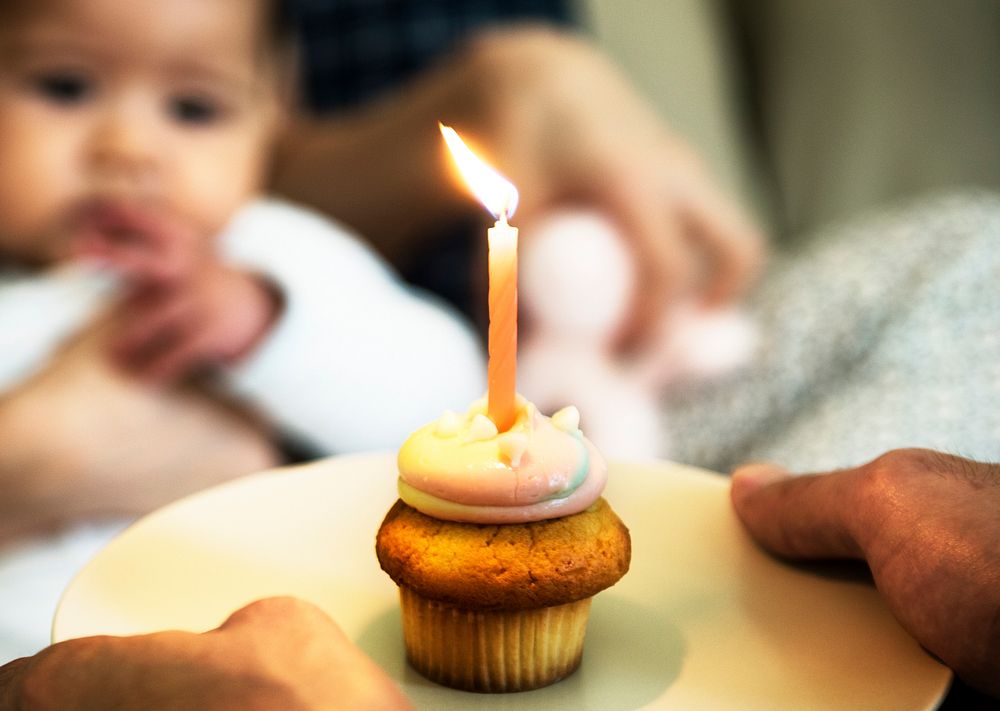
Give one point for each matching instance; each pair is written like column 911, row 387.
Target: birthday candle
column 500, row 197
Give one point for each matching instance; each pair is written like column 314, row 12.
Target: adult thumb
column 809, row 516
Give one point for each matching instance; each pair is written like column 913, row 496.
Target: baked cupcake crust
column 504, row 567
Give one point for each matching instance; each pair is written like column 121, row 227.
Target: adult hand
column 928, row 525
column 577, row 133
column 278, row 653
column 554, row 115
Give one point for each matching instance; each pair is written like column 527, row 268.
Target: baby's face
column 169, row 106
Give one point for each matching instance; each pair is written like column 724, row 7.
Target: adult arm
column 553, row 114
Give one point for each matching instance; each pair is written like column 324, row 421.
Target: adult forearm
column 384, row 170
column 381, row 169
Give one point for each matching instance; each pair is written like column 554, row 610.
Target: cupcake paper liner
column 493, row 651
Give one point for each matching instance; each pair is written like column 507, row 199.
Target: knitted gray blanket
column 877, row 334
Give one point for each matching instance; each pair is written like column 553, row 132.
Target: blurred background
column 814, row 111
column 862, row 135
column 840, row 125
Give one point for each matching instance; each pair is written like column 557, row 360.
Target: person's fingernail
column 750, row 477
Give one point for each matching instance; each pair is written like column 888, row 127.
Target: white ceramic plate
column 703, row 620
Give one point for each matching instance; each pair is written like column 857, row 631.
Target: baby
column 135, row 257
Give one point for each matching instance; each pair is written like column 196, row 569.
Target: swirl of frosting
column 461, row 469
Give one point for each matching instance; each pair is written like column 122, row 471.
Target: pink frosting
column 553, row 472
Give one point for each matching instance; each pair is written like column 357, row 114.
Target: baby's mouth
column 116, row 219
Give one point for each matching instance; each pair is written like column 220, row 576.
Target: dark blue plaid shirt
column 356, row 49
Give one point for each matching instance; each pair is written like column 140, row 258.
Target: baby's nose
column 125, row 146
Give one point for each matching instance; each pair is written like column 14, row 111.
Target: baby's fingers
column 189, row 351
column 154, row 323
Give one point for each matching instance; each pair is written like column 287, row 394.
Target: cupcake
column 498, row 543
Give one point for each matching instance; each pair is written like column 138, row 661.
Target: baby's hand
column 146, row 247
column 215, row 316
column 185, row 310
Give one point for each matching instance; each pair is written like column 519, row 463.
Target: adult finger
column 733, row 247
column 663, row 257
column 267, row 612
column 811, row 516
column 322, row 664
column 11, row 674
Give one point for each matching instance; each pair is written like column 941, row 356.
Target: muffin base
column 493, row 651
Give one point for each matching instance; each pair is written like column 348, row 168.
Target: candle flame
column 497, row 194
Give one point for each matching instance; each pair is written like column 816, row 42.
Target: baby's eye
column 64, row 88
column 195, row 110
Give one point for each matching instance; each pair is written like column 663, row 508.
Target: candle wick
column 503, row 218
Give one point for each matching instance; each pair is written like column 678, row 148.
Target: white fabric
column 358, row 360
column 877, row 334
column 33, row 575
column 39, row 312
column 576, row 280
column 355, row 362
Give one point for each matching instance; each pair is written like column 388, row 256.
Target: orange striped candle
column 502, row 368
column 500, row 197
